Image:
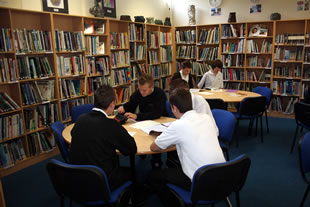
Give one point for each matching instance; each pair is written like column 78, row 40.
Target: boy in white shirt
column 213, row 78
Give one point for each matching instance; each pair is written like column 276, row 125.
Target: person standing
column 213, row 78
column 185, row 74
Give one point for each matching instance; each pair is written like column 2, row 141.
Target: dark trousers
column 158, row 178
column 118, row 177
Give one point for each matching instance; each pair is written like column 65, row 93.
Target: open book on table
column 151, row 127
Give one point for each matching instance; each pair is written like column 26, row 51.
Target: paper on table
column 144, row 124
column 132, row 133
column 205, row 93
column 234, row 94
column 194, row 90
column 156, row 128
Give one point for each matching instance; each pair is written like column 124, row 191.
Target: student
column 196, row 143
column 185, row 74
column 213, row 78
column 95, row 139
column 150, row 100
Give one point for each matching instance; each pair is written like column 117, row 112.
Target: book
column 88, row 28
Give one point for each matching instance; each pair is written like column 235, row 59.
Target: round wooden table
column 227, row 95
column 143, row 140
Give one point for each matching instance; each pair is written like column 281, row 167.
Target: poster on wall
column 59, row 6
column 303, row 5
column 257, row 8
column 216, row 11
column 109, row 7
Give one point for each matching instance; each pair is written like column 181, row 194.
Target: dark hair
column 182, row 99
column 177, row 83
column 187, row 64
column 146, row 78
column 216, row 63
column 104, row 95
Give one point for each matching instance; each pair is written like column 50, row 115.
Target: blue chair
column 251, row 108
column 267, row 92
column 57, row 128
column 79, row 110
column 302, row 118
column 304, row 162
column 169, row 110
column 84, row 184
column 225, row 122
column 215, row 182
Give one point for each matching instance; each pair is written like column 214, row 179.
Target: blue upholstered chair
column 225, row 122
column 215, row 182
column 304, row 161
column 79, row 110
column 302, row 118
column 267, row 92
column 85, row 184
column 57, row 128
column 251, row 108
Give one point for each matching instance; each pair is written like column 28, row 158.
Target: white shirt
column 100, row 110
column 195, row 139
column 184, row 78
column 200, row 105
column 209, row 80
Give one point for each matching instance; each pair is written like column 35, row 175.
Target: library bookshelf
column 51, row 62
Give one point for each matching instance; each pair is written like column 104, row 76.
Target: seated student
column 150, row 100
column 95, row 139
column 196, row 143
column 213, row 78
column 185, row 74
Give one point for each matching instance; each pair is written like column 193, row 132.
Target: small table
column 227, row 95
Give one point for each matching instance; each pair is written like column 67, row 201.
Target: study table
column 227, row 95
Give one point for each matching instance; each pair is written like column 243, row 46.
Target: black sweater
column 191, row 82
column 150, row 107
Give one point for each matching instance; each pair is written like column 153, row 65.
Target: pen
column 163, row 125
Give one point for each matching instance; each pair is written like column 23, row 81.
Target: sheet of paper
column 156, row 128
column 205, row 93
column 144, row 124
column 132, row 133
column 194, row 90
column 234, row 94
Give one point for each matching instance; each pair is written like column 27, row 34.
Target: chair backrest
column 264, row 91
column 225, row 122
column 302, row 113
column 79, row 182
column 79, row 110
column 57, row 128
column 169, row 110
column 252, row 106
column 304, row 155
column 217, row 181
column 216, row 103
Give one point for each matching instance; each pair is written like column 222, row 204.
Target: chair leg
column 305, row 196
column 266, row 116
column 228, row 201
column 261, row 129
column 237, row 199
column 294, row 140
column 256, row 126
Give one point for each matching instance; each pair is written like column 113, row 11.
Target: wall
column 287, row 9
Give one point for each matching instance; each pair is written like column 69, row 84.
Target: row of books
column 94, row 27
column 165, row 38
column 208, row 53
column 37, row 91
column 252, row 47
column 186, row 52
column 120, row 76
column 71, row 88
column 69, row 41
column 166, row 54
column 94, row 46
column 260, row 76
column 209, row 36
column 287, row 54
column 305, row 89
column 287, row 87
column 120, row 59
column 231, row 30
column 41, row 116
column 288, row 71
column 307, row 56
column 235, row 86
column 290, row 38
column 137, row 69
column 66, row 107
column 32, row 41
column 98, row 66
column 136, row 32
column 137, row 52
column 11, row 152
column 70, row 65
column 200, row 68
column 307, row 42
column 164, row 83
column 153, row 70
column 11, row 126
column 152, row 39
column 122, row 94
column 231, row 47
column 34, row 67
column 165, row 69
column 278, row 105
column 8, row 70
column 7, row 103
column 185, row 37
column 5, row 40
column 257, row 61
column 119, row 40
column 230, row 74
column 306, row 74
column 39, row 142
column 153, row 57
column 95, row 82
column 233, row 60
